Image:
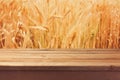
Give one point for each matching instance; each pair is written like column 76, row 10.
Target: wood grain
column 67, row 59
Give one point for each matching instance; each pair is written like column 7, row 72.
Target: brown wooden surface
column 48, row 64
column 58, row 75
column 60, row 59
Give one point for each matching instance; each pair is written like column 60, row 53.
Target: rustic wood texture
column 51, row 64
column 60, row 59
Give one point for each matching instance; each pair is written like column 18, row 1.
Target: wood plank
column 108, row 59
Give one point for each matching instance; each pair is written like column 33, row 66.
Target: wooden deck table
column 51, row 64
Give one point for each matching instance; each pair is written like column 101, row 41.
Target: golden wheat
column 60, row 24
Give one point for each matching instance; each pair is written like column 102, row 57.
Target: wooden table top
column 48, row 59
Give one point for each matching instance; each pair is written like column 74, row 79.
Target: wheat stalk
column 59, row 24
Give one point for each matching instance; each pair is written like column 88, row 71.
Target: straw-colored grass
column 59, row 23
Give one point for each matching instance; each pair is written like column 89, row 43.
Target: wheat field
column 60, row 24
